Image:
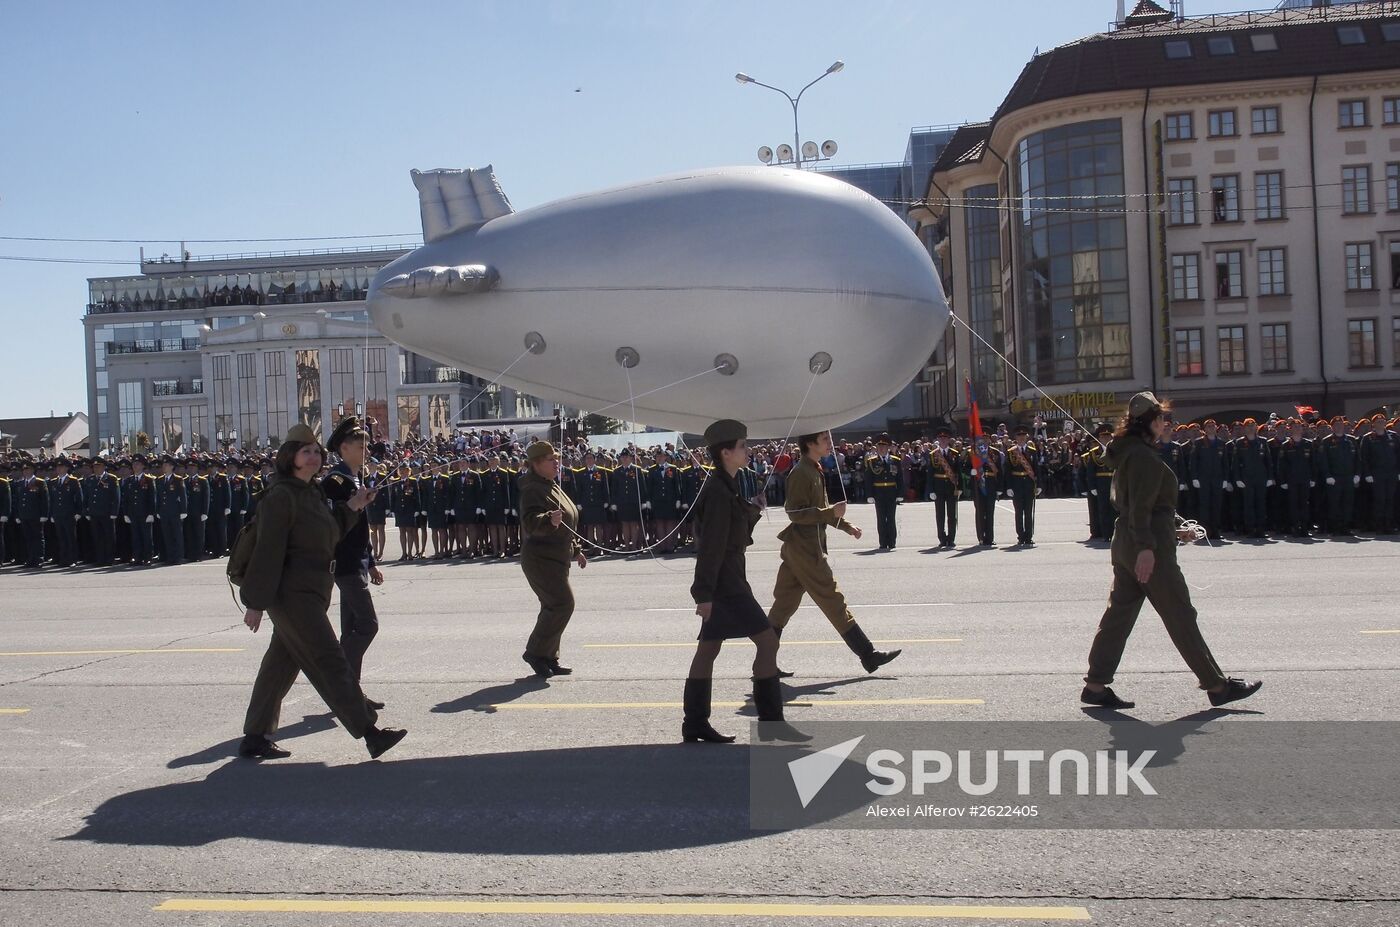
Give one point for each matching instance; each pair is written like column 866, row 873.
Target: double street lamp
column 798, row 153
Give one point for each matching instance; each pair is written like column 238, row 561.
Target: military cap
column 943, row 433
column 884, row 438
column 348, row 429
column 203, row 464
column 26, row 464
column 724, row 431
column 624, row 453
column 540, row 450
column 299, row 434
column 99, row 460
column 61, row 461
column 1104, row 428
column 1141, row 404
column 1021, row 430
column 1339, row 420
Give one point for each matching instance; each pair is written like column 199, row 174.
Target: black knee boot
column 782, row 673
column 860, row 645
column 768, row 700
column 696, row 726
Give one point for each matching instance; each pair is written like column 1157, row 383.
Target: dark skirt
column 734, row 616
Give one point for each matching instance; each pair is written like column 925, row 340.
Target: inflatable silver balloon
column 780, row 283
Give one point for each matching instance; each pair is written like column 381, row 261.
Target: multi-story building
column 230, row 352
column 1208, row 206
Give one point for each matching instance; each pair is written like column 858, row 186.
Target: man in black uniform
column 985, row 470
column 1207, row 464
column 4, row 511
column 198, row 495
column 1341, row 469
column 172, row 507
column 354, row 564
column 66, row 510
column 30, row 502
column 945, row 487
column 103, row 509
column 139, row 509
column 884, row 476
column 220, row 500
column 1024, row 464
column 1297, row 475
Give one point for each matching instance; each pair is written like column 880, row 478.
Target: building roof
column 1304, row 42
column 36, row 432
column 965, row 147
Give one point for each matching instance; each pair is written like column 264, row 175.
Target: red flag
column 974, row 419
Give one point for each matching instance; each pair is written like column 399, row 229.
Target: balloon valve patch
column 628, row 357
column 820, row 363
column 726, row 365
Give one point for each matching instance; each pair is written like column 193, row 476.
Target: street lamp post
column 743, row 78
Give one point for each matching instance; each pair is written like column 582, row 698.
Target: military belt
column 885, row 485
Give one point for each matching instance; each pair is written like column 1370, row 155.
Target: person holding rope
column 805, row 568
column 549, row 524
column 1144, row 562
column 725, row 520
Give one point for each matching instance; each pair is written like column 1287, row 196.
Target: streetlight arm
column 804, row 89
column 760, row 83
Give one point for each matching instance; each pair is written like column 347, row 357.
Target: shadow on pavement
column 483, row 699
column 1168, row 739
column 617, row 799
column 311, row 724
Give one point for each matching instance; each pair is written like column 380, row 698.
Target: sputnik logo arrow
column 811, row 773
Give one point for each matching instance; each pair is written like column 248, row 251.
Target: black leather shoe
column 1104, row 699
column 695, row 732
column 539, row 664
column 257, row 747
column 381, row 740
column 784, row 674
column 373, row 705
column 1235, row 689
column 557, row 669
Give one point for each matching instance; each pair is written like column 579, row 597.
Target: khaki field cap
column 1141, row 404
column 540, row 450
column 301, row 434
column 725, row 430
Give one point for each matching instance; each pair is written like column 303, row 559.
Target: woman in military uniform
column 549, row 522
column 1144, row 562
column 378, row 512
column 724, row 601
column 289, row 577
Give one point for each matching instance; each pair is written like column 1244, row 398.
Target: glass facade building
column 1073, row 313
column 985, row 297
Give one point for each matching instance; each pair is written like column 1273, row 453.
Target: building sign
column 289, row 329
column 1082, row 406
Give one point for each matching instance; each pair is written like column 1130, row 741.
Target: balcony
column 226, row 297
column 156, row 346
column 437, row 375
column 194, row 387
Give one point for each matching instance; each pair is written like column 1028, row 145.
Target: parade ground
column 516, row 801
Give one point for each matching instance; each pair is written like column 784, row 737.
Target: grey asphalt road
column 513, row 801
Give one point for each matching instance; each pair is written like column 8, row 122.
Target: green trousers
column 804, row 572
column 548, row 577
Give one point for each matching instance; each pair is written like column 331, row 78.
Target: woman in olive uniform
column 289, row 577
column 1144, row 562
column 724, row 601
column 549, row 522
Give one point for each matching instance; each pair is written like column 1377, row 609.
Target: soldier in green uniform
column 289, row 577
column 1023, row 466
column 549, row 522
column 1145, row 565
column 944, row 487
column 805, row 568
column 1098, row 479
column 884, row 473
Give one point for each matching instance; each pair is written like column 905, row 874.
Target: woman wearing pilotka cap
column 723, row 599
column 1144, row 562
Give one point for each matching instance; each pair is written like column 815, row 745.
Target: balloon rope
column 495, row 382
column 632, row 400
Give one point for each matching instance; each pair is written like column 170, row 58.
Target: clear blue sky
column 144, row 120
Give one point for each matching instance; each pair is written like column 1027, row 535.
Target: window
column 1359, row 275
column 1352, row 114
column 1180, row 127
column 1392, row 187
column 1351, row 35
column 1273, row 280
column 1229, row 276
column 1230, row 338
column 342, row 388
column 1178, row 48
column 1361, row 342
column 985, row 315
column 172, row 432
column 1274, row 352
column 223, row 399
column 1190, row 359
column 1395, row 269
column 308, row 386
column 1264, row 120
column 1391, row 31
column 247, row 399
column 275, row 371
column 1225, row 198
column 1263, row 42
column 130, row 411
column 1220, row 45
column 1268, row 195
column 1181, row 201
column 410, row 418
column 1356, row 190
column 1186, row 276
column 1221, row 123
column 377, row 403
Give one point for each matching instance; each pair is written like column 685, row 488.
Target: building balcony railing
column 437, row 375
column 177, row 388
column 226, row 297
column 156, row 346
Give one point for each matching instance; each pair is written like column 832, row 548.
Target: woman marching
column 549, row 523
column 289, row 576
column 1144, row 562
column 725, row 520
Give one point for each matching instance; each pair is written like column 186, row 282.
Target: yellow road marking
column 830, row 643
column 858, row 608
column 14, row 711
column 543, row 706
column 86, row 653
column 1386, row 631
column 627, row 908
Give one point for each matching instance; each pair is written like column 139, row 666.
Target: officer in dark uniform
column 220, row 499
column 884, row 473
column 1342, row 474
column 1380, row 467
column 1207, row 462
column 496, row 497
column 172, row 507
column 1297, row 475
column 986, row 469
column 30, row 501
column 591, row 485
column 5, row 509
column 1253, row 476
column 139, row 510
column 66, row 510
column 238, row 499
column 663, row 494
column 466, row 494
column 103, row 509
column 256, row 484
column 629, row 501
column 944, row 487
column 354, row 564
column 440, row 511
column 197, row 494
column 1023, row 464
column 1097, row 477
